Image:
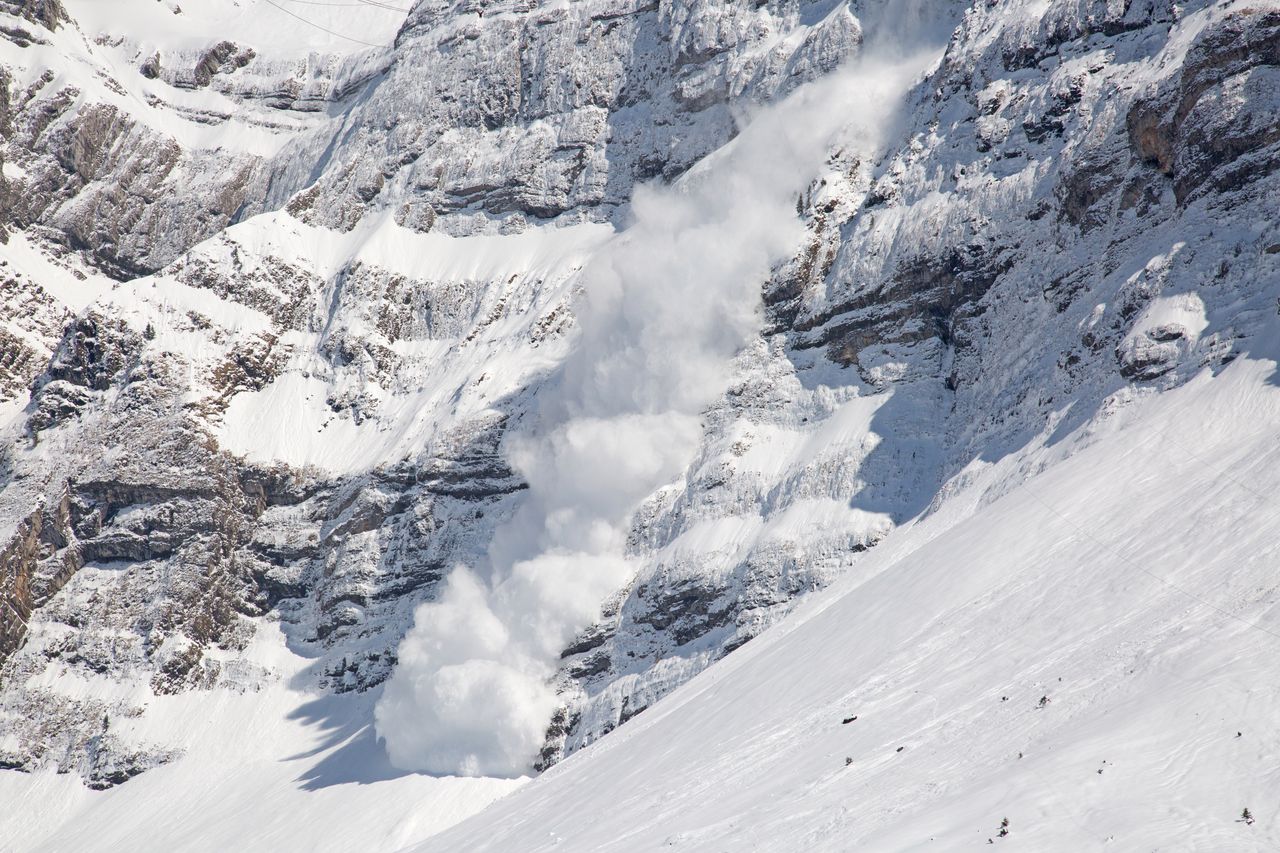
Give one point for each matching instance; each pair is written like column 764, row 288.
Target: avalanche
column 781, row 448
column 665, row 308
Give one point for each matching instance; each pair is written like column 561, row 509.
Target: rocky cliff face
column 559, row 110
column 299, row 418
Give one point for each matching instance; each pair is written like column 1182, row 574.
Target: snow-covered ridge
column 432, row 377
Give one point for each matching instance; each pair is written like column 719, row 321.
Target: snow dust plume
column 664, row 309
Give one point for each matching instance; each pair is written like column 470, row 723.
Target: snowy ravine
column 290, row 301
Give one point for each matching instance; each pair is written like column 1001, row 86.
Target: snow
column 144, row 299
column 1131, row 583
column 101, row 51
column 97, row 76
column 290, row 419
column 75, row 289
column 378, row 240
column 1182, row 314
column 289, row 768
column 200, row 24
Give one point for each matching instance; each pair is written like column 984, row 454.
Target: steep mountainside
column 1065, row 667
column 286, row 285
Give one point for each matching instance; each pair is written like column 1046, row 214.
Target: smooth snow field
column 1081, row 638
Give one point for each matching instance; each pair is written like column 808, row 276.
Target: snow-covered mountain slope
column 269, row 766
column 367, row 271
column 1081, row 641
column 278, row 422
column 132, row 130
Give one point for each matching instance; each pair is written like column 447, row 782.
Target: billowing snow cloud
column 663, row 311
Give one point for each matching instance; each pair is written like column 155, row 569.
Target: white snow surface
column 267, row 767
column 1091, row 655
column 292, row 28
column 289, row 420
column 75, row 292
